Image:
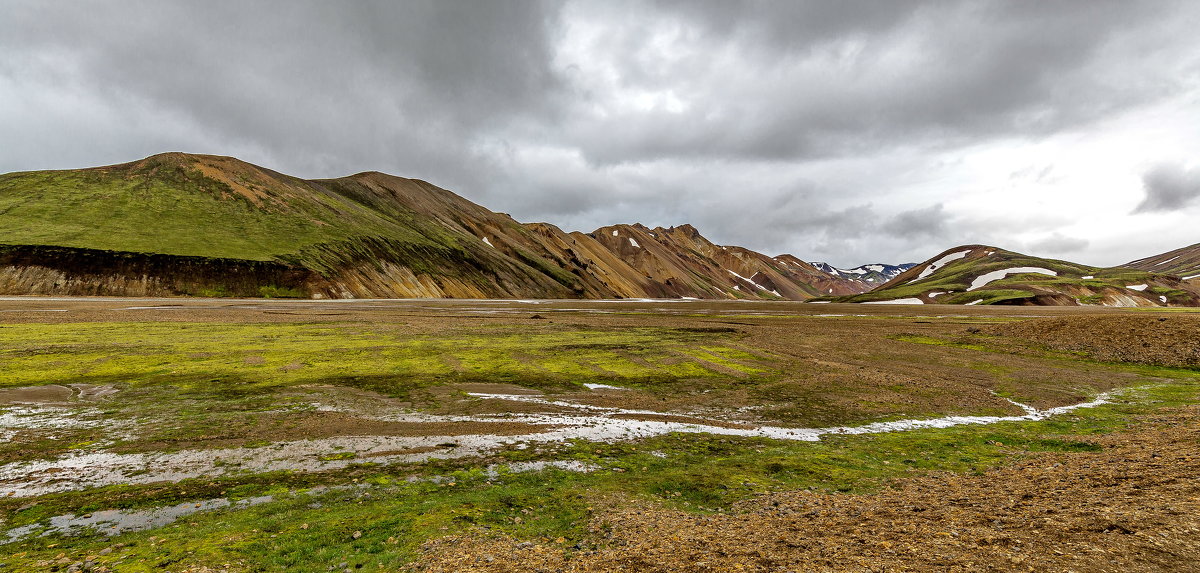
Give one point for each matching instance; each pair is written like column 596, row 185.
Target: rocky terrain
column 1134, row 505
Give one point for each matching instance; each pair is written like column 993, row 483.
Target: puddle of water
column 53, row 417
column 594, row 423
column 115, row 521
column 601, row 387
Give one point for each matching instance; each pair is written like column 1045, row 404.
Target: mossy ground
column 189, row 376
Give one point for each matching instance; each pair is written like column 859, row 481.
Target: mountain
column 979, row 274
column 183, row 224
column 1183, row 262
column 869, row 276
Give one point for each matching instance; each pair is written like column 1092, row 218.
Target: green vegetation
column 168, row 208
column 235, row 360
column 380, row 522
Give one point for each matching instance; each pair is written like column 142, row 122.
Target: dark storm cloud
column 930, row 222
column 814, row 79
column 777, row 125
column 1169, row 188
column 321, row 88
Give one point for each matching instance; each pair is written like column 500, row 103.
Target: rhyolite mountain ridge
column 202, row 225
column 981, row 274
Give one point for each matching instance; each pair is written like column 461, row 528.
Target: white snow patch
column 897, row 301
column 634, row 242
column 489, row 243
column 818, row 302
column 1188, row 278
column 976, row 301
column 935, row 293
column 1163, row 299
column 935, row 265
column 601, row 387
column 615, row 233
column 1138, row 288
column 1088, row 277
column 1168, row 260
column 876, row 268
column 986, row 278
column 756, row 285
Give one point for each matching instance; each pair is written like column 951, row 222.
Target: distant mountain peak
column 870, row 275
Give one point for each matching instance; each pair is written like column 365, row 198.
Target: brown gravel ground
column 1161, row 340
column 1133, row 506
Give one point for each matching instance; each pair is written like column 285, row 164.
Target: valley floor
column 454, row 435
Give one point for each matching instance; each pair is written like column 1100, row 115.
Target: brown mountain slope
column 1183, row 262
column 183, row 224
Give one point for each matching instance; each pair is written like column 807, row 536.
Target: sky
column 843, row 131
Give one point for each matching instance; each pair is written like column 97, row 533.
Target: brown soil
column 50, row 393
column 55, row 393
column 1160, row 340
column 1134, row 506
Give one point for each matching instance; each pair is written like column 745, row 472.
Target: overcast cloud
column 846, row 131
column 1169, row 188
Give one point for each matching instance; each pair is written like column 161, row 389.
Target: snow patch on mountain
column 984, row 279
column 935, row 265
column 873, row 274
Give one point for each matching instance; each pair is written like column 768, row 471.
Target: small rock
column 357, row 534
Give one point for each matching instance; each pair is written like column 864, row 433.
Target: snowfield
column 986, row 278
column 935, row 265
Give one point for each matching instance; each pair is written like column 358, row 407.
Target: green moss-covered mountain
column 182, row 224
column 979, row 274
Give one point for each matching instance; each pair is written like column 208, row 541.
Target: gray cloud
column 1169, row 188
column 930, row 222
column 1057, row 244
column 809, row 127
column 814, row 79
column 315, row 88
